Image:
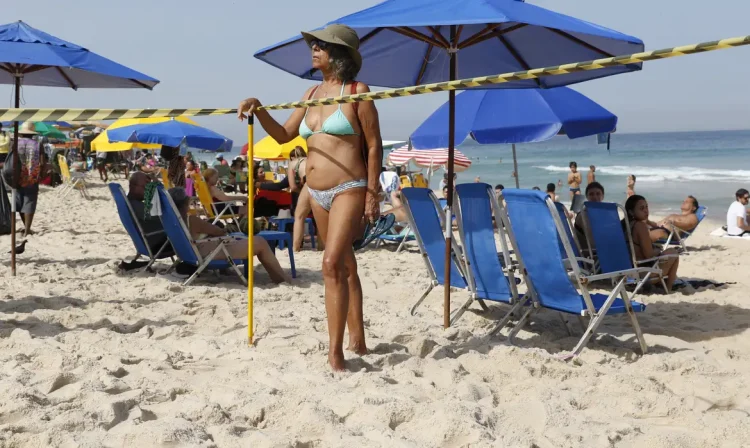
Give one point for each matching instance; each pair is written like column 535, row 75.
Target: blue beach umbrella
column 516, row 116
column 171, row 133
column 32, row 57
column 409, row 42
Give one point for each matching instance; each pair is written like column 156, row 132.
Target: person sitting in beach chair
column 218, row 196
column 152, row 228
column 685, row 222
column 637, row 209
column 737, row 215
column 202, row 231
column 594, row 193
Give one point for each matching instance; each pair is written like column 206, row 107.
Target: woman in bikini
column 341, row 179
column 637, row 209
column 301, row 206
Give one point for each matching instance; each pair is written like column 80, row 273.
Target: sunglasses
column 320, row 44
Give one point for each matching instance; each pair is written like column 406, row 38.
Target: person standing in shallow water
column 342, row 180
column 574, row 180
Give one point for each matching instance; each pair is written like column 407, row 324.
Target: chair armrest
column 617, row 274
column 659, row 258
column 222, row 239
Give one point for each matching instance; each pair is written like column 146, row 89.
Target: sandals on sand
column 372, row 231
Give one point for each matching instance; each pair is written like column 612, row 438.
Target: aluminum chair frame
column 581, row 281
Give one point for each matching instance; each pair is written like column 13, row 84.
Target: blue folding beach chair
column 535, row 232
column 185, row 248
column 134, row 229
column 426, row 219
column 614, row 246
column 476, row 205
column 399, row 237
column 281, row 240
column 678, row 236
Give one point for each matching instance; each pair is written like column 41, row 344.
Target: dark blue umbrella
column 32, row 57
column 171, row 133
column 408, row 42
column 516, row 116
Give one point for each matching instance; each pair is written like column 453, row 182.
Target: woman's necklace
column 323, row 93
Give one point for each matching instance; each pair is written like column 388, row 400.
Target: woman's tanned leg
column 336, row 228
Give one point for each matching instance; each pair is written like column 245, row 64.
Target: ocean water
column 668, row 166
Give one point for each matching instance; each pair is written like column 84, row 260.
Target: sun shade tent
column 32, row 57
column 424, row 38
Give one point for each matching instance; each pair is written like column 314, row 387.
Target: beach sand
column 90, row 357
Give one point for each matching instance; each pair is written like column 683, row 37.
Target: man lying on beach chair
column 675, row 228
column 536, row 247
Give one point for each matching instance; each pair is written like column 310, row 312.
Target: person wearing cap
column 31, row 160
column 344, row 158
column 220, row 161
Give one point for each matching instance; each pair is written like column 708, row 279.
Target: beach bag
column 11, row 173
column 5, row 215
column 259, row 224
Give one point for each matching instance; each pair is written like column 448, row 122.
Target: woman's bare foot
column 336, row 360
column 358, row 347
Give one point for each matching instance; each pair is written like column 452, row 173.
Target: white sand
column 91, row 357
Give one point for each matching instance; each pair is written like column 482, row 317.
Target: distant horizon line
column 616, row 133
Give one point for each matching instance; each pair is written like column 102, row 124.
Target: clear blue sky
column 202, row 54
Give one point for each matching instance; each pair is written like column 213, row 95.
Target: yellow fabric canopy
column 268, row 148
column 102, row 144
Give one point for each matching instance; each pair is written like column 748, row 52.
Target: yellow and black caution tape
column 114, row 114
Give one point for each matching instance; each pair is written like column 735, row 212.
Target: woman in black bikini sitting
column 637, row 210
column 342, row 169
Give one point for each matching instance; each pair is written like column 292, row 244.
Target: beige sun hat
column 27, row 128
column 339, row 35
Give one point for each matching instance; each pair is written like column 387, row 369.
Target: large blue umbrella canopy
column 406, row 42
column 41, row 59
column 171, row 133
column 516, row 116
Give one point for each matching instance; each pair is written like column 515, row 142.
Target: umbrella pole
column 449, row 211
column 515, row 165
column 250, row 226
column 15, row 183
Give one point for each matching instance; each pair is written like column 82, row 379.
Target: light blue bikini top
column 336, row 124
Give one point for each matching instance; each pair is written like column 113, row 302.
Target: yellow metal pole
column 250, row 227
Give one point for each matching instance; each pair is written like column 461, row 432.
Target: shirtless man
column 574, row 180
column 687, row 220
column 591, row 177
